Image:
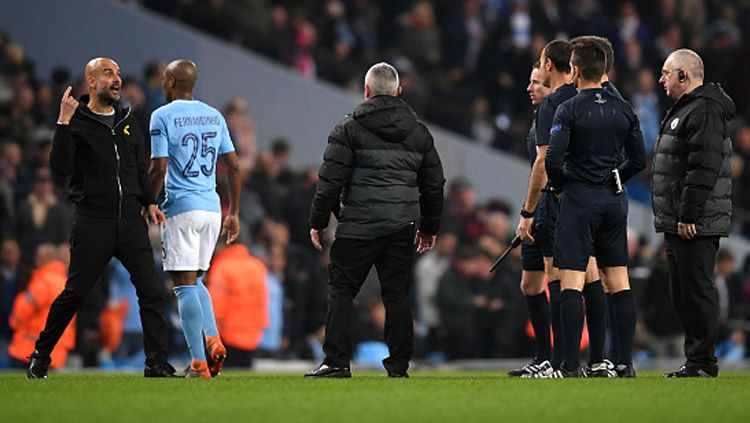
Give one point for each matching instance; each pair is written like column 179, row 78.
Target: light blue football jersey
column 192, row 135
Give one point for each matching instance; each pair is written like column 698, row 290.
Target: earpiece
column 681, row 75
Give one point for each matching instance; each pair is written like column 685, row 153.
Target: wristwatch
column 526, row 214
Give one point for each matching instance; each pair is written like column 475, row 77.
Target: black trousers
column 695, row 297
column 351, row 261
column 93, row 243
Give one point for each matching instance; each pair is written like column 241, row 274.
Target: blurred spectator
column 238, row 285
column 428, row 271
column 302, row 59
column 31, row 307
column 458, row 304
column 152, row 85
column 42, row 218
column 271, row 342
column 419, row 39
column 135, row 98
column 741, row 184
column 731, row 344
column 461, row 214
column 121, row 319
column 664, row 331
column 646, row 105
column 369, row 347
column 242, row 131
column 10, row 282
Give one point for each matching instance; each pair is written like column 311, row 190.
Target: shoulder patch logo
column 599, row 99
column 555, row 128
column 674, row 123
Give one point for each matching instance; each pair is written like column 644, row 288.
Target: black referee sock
column 554, row 319
column 571, row 311
column 614, row 339
column 596, row 319
column 539, row 316
column 624, row 313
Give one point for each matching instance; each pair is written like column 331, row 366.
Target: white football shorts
column 188, row 240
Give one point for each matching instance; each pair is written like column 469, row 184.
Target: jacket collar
column 83, row 108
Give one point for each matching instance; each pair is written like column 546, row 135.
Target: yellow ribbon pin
column 126, row 130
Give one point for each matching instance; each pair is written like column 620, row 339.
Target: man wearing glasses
column 692, row 201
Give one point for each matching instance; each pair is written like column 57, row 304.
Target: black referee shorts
column 532, row 258
column 547, row 211
column 592, row 222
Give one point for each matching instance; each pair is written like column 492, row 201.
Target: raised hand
column 68, row 106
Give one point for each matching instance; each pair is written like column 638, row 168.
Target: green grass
column 426, row 396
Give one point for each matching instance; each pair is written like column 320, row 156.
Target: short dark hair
column 558, row 52
column 280, row 146
column 604, row 44
column 590, row 59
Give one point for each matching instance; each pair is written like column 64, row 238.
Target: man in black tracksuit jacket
column 381, row 168
column 692, row 203
column 98, row 146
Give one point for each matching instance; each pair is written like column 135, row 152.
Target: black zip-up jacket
column 106, row 166
column 382, row 169
column 692, row 179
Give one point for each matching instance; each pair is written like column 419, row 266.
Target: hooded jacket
column 380, row 173
column 106, row 167
column 692, row 180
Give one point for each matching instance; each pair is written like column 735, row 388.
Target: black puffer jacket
column 692, row 180
column 381, row 168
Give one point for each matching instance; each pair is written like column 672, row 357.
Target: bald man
column 692, row 201
column 187, row 138
column 98, row 149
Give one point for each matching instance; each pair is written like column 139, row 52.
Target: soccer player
column 187, row 137
column 595, row 145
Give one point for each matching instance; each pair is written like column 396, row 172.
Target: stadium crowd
column 472, row 55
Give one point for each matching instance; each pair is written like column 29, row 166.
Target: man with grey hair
column 692, row 202
column 383, row 180
column 382, row 79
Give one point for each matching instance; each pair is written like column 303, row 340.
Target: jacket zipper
column 117, row 158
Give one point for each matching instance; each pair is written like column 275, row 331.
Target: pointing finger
column 66, row 94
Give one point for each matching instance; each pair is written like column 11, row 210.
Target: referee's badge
column 674, row 123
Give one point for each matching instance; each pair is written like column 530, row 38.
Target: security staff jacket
column 105, row 166
column 692, row 178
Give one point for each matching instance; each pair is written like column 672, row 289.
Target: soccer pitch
column 370, row 396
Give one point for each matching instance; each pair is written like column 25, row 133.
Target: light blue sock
column 209, row 321
column 189, row 306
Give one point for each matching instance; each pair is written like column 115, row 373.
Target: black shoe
column 39, row 366
column 325, row 370
column 398, row 374
column 625, row 370
column 528, row 370
column 159, row 370
column 602, row 369
column 689, row 371
column 562, row 373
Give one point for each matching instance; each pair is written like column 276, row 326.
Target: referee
column 595, row 146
